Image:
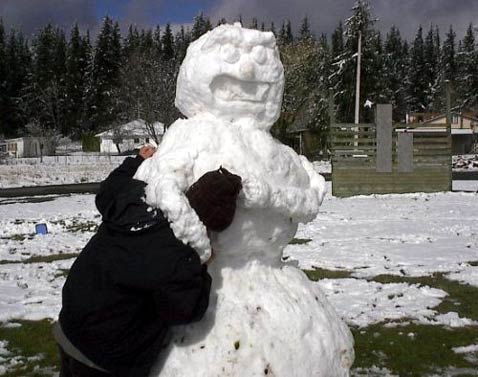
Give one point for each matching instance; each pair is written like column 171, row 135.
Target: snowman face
column 233, row 73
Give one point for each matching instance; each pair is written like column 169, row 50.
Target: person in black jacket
column 134, row 279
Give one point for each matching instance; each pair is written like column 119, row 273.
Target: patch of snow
column 467, row 275
column 407, row 235
column 466, row 349
column 362, row 303
column 451, row 319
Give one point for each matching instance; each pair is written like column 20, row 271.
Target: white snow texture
column 264, row 318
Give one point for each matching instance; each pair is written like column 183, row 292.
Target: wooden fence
column 380, row 157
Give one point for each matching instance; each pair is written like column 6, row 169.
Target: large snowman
column 264, row 319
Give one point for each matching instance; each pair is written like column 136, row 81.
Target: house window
column 136, row 140
column 454, row 119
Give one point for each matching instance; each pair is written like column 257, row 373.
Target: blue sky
column 324, row 15
column 175, row 12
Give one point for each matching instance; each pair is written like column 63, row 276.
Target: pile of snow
column 465, row 162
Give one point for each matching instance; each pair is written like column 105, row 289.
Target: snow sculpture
column 264, row 318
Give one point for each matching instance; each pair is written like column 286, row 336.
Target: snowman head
column 233, row 73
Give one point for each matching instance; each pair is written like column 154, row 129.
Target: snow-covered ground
column 84, row 167
column 56, row 170
column 405, row 235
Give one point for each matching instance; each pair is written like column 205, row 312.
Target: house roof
column 440, row 116
column 134, row 128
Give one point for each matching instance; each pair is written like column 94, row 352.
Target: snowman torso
column 256, row 233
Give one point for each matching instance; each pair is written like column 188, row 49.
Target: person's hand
column 147, row 151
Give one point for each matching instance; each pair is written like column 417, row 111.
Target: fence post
column 405, row 152
column 383, row 121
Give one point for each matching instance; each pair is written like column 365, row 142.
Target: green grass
column 50, row 258
column 31, row 339
column 42, row 258
column 320, row 273
column 78, row 226
column 299, row 241
column 428, row 351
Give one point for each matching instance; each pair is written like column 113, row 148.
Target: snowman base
column 262, row 321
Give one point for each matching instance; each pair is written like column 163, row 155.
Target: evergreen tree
column 158, row 46
column 273, row 29
column 447, row 72
column 201, row 25
column 45, row 55
column 289, row 37
column 431, row 71
column 395, row 73
column 182, row 42
column 147, row 41
column 132, row 41
column 77, row 63
column 338, row 41
column 467, row 71
column 43, row 99
column 167, row 42
column 417, row 86
column 304, row 32
column 104, row 78
column 19, row 68
column 344, row 75
column 3, row 81
column 448, row 62
column 254, row 24
column 285, row 35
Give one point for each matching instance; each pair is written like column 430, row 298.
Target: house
column 27, row 146
column 128, row 136
column 464, row 131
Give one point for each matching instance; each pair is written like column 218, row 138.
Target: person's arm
column 120, row 178
column 185, row 298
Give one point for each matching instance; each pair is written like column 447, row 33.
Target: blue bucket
column 41, row 229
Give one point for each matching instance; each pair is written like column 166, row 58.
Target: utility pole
column 357, row 83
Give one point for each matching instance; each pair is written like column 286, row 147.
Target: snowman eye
column 229, row 53
column 259, row 54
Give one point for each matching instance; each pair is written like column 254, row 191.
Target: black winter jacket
column 132, row 281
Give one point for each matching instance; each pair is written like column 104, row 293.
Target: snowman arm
column 302, row 205
column 317, row 182
column 173, row 175
column 298, row 204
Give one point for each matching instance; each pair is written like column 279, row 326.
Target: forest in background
column 71, row 85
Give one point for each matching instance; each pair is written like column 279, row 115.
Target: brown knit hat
column 213, row 197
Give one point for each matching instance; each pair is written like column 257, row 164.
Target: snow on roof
column 462, row 131
column 134, row 128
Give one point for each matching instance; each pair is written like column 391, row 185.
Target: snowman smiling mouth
column 229, row 88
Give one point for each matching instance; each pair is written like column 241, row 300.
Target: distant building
column 464, row 131
column 128, row 136
column 464, row 128
column 28, row 146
